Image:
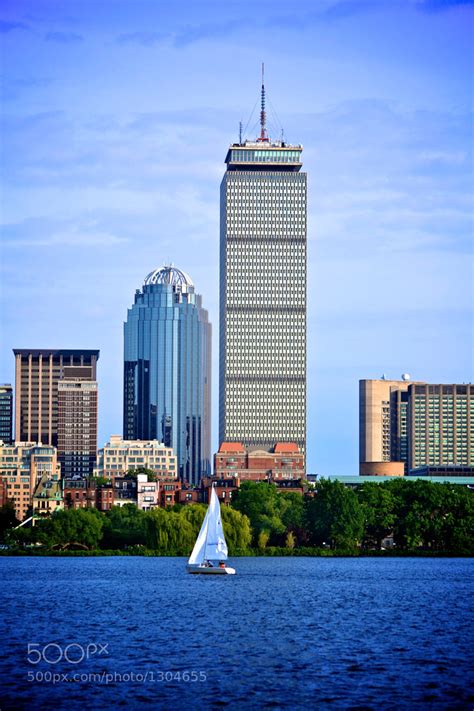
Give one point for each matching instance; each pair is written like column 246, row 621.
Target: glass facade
column 262, row 387
column 167, row 376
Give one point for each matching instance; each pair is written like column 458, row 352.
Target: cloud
column 64, row 37
column 6, row 26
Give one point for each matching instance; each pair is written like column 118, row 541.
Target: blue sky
column 117, row 115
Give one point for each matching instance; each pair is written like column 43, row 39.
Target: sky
column 116, row 119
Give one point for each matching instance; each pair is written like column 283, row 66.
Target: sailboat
column 210, row 550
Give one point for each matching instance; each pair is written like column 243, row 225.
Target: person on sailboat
column 221, row 564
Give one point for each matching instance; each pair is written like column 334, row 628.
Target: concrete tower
column 262, row 381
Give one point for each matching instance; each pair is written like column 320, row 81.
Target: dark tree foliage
column 8, row 518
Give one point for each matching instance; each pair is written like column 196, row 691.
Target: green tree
column 290, row 508
column 194, row 514
column 168, row 532
column 8, row 518
column 262, row 539
column 290, row 540
column 72, row 527
column 151, row 474
column 237, row 529
column 259, row 501
column 334, row 516
column 378, row 505
column 124, row 526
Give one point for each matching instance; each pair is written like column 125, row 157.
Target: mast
column 263, row 115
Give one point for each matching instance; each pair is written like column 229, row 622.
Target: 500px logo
column 73, row 653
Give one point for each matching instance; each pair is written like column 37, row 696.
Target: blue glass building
column 167, row 370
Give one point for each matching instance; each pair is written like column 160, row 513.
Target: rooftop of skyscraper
column 170, row 275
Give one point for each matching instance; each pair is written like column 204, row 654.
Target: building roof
column 169, row 275
column 231, row 447
column 55, row 351
column 287, row 448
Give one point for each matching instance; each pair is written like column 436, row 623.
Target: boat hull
column 202, row 570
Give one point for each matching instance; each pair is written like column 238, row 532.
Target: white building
column 119, row 456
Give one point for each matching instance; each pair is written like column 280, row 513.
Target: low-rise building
column 147, row 493
column 169, row 492
column 224, row 488
column 119, row 456
column 79, row 494
column 284, row 461
column 48, row 496
column 124, row 490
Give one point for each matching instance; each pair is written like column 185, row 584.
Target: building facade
column 262, row 379
column 284, row 461
column 48, row 496
column 414, row 424
column 167, row 370
column 441, row 425
column 77, row 426
column 6, row 414
column 22, row 467
column 120, row 455
column 37, row 373
column 383, row 421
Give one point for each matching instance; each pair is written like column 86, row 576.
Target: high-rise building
column 441, row 425
column 6, row 414
column 383, row 422
column 262, row 381
column 415, row 424
column 167, row 370
column 37, row 373
column 77, row 426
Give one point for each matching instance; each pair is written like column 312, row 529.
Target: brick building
column 284, row 461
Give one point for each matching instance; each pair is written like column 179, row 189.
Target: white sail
column 210, row 543
column 198, row 556
column 216, row 547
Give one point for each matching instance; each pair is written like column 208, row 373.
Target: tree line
column 414, row 514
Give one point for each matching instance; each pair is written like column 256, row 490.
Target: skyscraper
column 6, row 414
column 77, row 426
column 167, row 370
column 37, row 373
column 262, row 381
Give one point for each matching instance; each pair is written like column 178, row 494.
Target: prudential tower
column 262, row 388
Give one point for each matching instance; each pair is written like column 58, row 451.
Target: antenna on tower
column 240, row 133
column 263, row 116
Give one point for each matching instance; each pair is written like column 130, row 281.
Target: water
column 289, row 633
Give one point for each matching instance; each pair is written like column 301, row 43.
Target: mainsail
column 210, row 543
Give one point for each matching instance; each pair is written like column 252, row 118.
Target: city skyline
column 106, row 176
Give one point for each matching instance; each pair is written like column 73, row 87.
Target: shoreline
column 268, row 553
